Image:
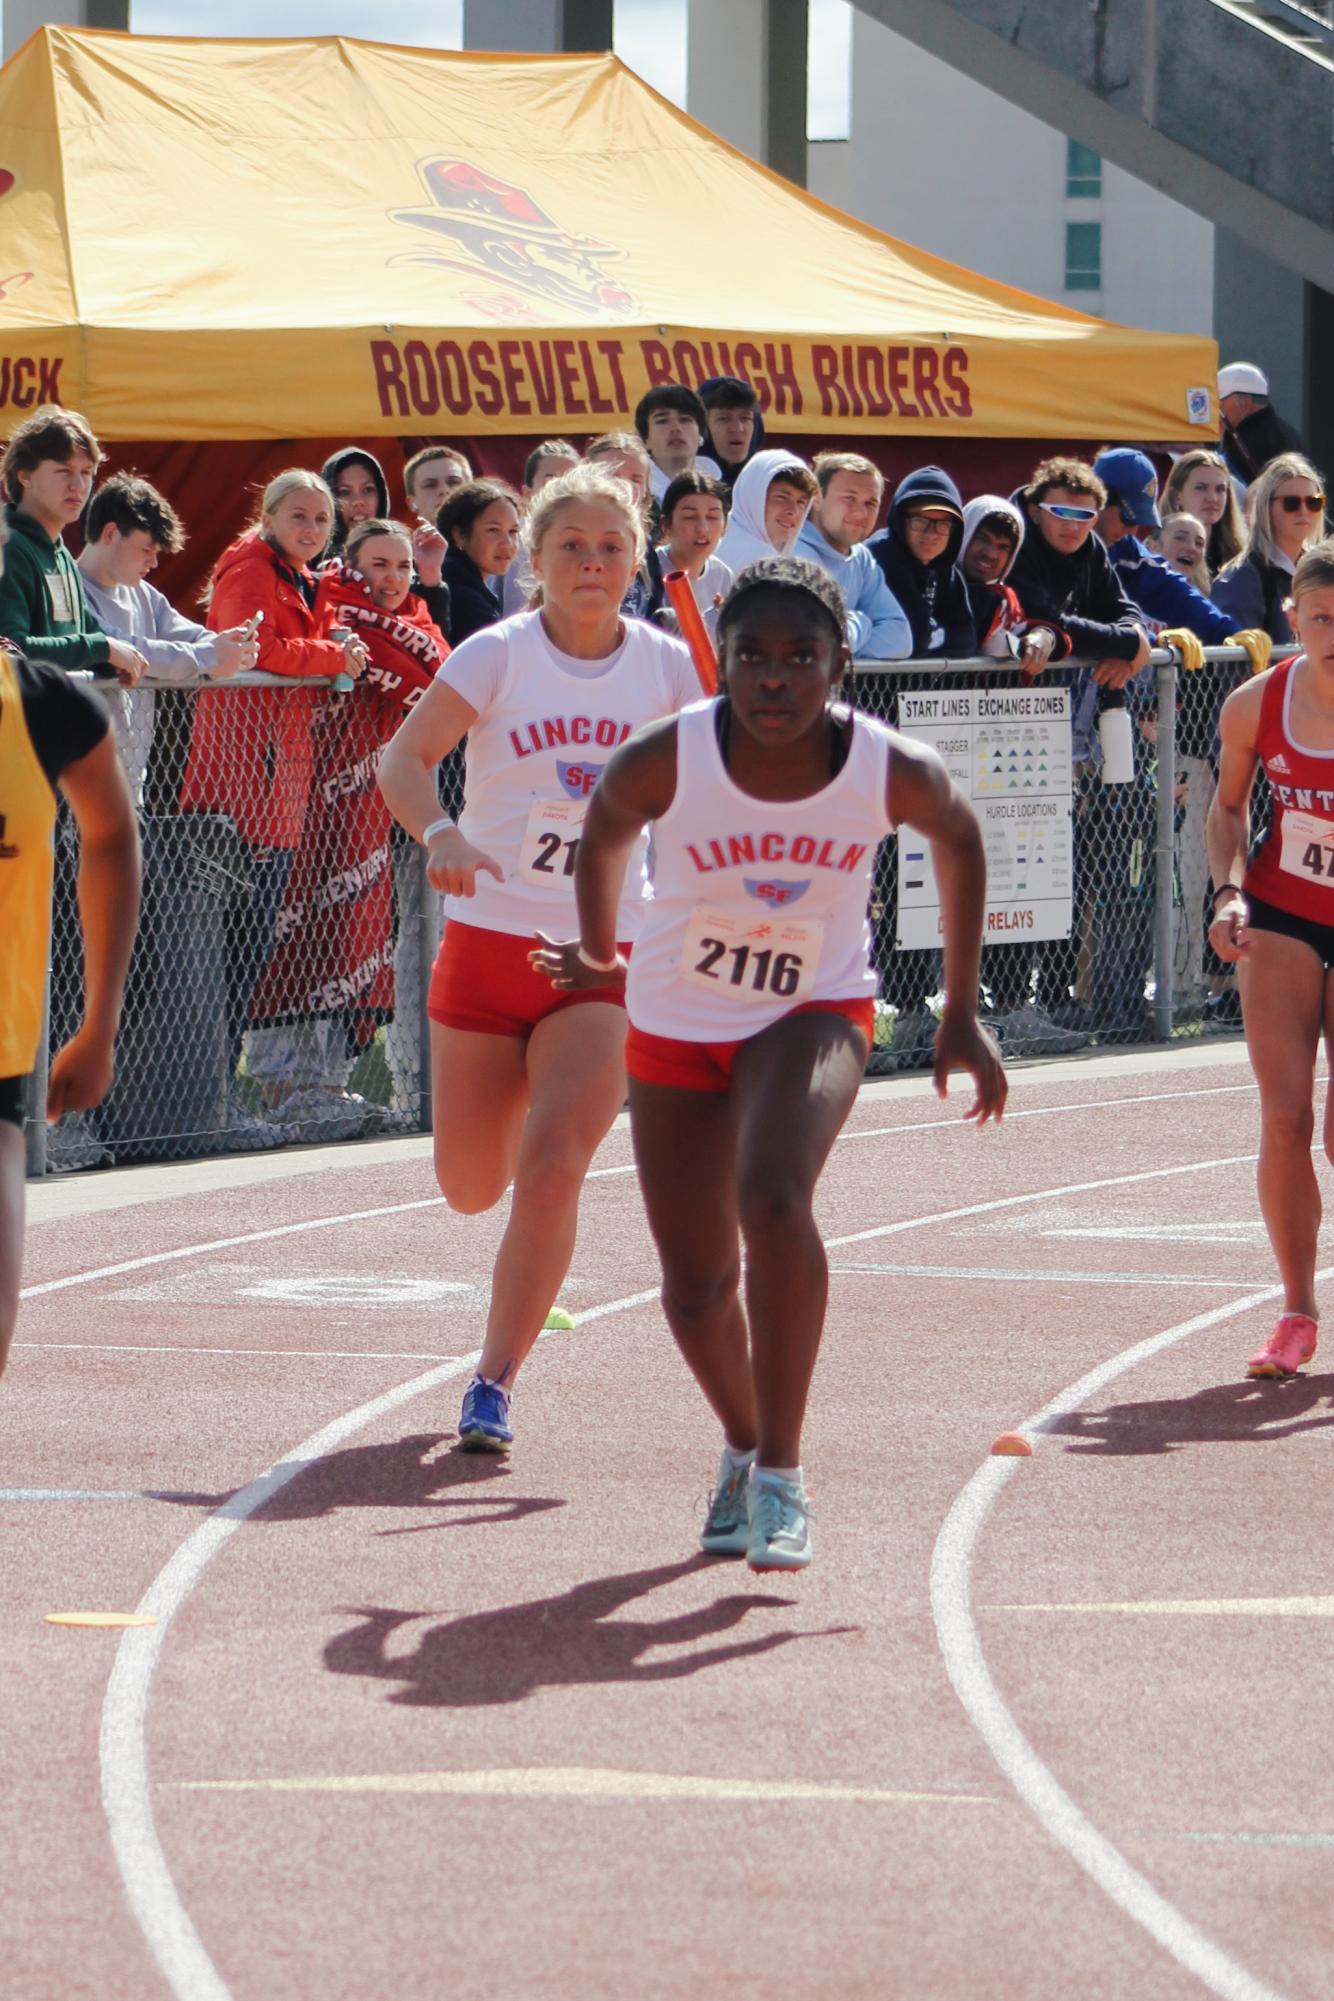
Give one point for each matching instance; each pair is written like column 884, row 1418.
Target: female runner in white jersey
column 750, row 994
column 1274, row 916
column 525, row 1083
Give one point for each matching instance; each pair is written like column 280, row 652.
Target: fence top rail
column 1161, row 656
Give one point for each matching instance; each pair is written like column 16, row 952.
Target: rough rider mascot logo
column 494, row 231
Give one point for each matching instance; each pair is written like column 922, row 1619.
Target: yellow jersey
column 46, row 722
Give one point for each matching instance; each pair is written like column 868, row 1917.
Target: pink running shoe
column 1291, row 1344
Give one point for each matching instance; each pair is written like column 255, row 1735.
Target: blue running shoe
column 726, row 1531
column 780, row 1523
column 484, row 1422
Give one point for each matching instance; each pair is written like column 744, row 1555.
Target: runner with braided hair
column 750, row 996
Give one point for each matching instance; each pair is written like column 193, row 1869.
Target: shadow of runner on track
column 401, row 1473
column 505, row 1655
column 1244, row 1413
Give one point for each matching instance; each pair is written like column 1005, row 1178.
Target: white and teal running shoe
column 726, row 1531
column 780, row 1523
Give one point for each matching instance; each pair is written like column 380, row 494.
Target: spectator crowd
column 334, row 585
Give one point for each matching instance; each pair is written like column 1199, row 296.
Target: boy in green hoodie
column 47, row 471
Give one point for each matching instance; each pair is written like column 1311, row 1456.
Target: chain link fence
column 277, row 991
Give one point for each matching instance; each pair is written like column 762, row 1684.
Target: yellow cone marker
column 99, row 1619
column 1012, row 1445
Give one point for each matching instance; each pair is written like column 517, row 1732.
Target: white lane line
column 965, row 1662
column 580, row 1782
column 189, row 1352
column 92, row 1494
column 1038, row 1195
column 991, row 1274
column 1215, row 1608
column 846, row 1138
column 176, row 1946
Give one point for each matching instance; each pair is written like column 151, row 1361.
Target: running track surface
column 414, row 1724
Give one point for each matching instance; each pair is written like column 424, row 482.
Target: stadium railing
column 338, row 943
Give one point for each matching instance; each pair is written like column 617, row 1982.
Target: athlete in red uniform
column 1274, row 915
column 750, row 998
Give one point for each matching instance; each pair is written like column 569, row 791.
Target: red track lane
column 577, row 1743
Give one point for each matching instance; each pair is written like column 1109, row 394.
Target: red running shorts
column 707, row 1066
column 482, row 982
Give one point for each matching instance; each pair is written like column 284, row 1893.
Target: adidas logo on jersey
column 1279, row 763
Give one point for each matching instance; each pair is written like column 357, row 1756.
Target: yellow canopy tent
column 288, row 239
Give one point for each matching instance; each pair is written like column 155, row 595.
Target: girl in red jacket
column 332, row 978
column 251, row 751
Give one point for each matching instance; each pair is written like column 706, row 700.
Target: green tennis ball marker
column 558, row 1321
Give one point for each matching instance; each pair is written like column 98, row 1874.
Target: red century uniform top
column 46, row 723
column 758, row 905
column 1293, row 867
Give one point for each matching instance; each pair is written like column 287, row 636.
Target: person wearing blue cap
column 1148, row 580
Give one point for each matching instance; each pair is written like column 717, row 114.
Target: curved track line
column 965, row 1662
column 127, row 1802
column 161, row 1915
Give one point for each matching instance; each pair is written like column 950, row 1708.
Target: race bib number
column 1308, row 847
column 751, row 958
column 57, row 590
column 551, row 842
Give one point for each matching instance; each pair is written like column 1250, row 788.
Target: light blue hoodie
column 878, row 628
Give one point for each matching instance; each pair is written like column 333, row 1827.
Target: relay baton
column 693, row 630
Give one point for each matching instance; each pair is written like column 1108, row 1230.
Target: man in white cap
column 1253, row 431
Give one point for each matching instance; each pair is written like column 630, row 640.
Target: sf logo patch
column 775, row 892
column 578, row 779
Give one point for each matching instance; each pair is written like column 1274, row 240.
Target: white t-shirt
column 714, row 581
column 546, row 725
column 659, row 481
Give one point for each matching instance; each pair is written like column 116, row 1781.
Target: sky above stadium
column 650, row 37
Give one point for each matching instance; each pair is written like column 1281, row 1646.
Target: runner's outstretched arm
column 1228, row 828
column 922, row 794
column 108, row 887
column 637, row 786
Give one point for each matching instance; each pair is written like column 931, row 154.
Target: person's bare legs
column 685, row 1149
column 792, row 1089
column 479, row 1097
column 576, row 1086
column 13, row 1169
column 1283, row 994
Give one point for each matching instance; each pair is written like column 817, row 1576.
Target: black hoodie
column 329, row 471
column 710, row 450
column 934, row 595
column 1080, row 595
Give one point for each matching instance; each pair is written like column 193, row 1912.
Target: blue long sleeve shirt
column 1151, row 583
column 878, row 627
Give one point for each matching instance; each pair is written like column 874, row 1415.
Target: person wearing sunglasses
column 1285, row 515
column 1064, row 577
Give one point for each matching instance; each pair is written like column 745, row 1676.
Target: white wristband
column 436, row 827
column 596, row 965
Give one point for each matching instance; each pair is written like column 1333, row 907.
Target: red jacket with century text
column 334, row 941
column 250, row 752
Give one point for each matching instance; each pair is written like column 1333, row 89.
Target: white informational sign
column 1008, row 751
